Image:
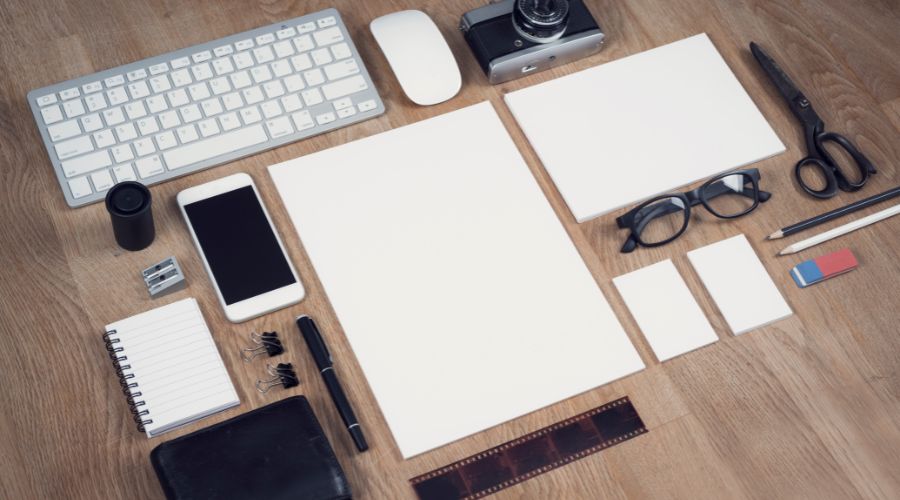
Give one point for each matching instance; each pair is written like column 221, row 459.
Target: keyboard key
column 104, row 139
column 202, row 72
column 285, row 33
column 95, row 102
column 73, row 108
column 261, row 74
column 306, row 28
column 158, row 69
column 126, row 132
column 241, row 80
column 367, row 105
column 199, row 57
column 321, row 56
column 199, row 91
column 144, row 147
column 181, row 62
column 156, row 104
column 223, row 66
column 219, row 85
column 122, row 153
column 252, row 95
column 264, row 54
column 215, row 146
column 224, row 50
column 137, row 74
column 116, row 96
column 281, row 68
column 64, row 130
column 341, row 69
column 190, row 113
column 326, row 22
column 51, row 114
column 71, row 93
column 303, row 120
column 169, row 119
column 160, row 83
column 341, row 51
column 114, row 81
column 139, row 90
column 92, row 87
column 250, row 115
column 291, row 103
column 283, row 49
column 301, row 62
column 187, row 134
column 304, row 43
column 279, row 127
column 344, row 87
column 113, row 116
column 232, row 101
column 148, row 125
column 124, row 173
column 135, row 110
column 166, row 140
column 229, row 121
column 102, row 180
column 243, row 44
column 311, row 97
column 150, row 166
column 270, row 109
column 211, row 107
column 74, row 147
column 294, row 83
column 208, row 127
column 325, row 118
column 342, row 103
column 242, row 60
column 314, row 77
column 44, row 100
column 181, row 78
column 80, row 187
column 328, row 36
column 177, row 98
column 346, row 112
column 264, row 39
column 92, row 122
column 273, row 89
column 86, row 163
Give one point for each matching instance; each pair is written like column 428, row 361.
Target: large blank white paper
column 627, row 130
column 739, row 284
column 665, row 310
column 460, row 292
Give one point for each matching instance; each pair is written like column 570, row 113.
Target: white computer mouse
column 419, row 56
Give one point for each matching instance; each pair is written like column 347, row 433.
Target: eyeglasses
column 662, row 219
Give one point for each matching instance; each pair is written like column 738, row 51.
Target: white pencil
column 841, row 230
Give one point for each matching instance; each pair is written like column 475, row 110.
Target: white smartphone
column 240, row 248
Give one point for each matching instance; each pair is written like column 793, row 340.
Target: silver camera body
column 510, row 40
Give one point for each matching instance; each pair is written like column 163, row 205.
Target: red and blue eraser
column 821, row 268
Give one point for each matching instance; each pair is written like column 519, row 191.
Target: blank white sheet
column 615, row 134
column 739, row 284
column 460, row 292
column 665, row 310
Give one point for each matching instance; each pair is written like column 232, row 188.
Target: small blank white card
column 618, row 133
column 665, row 310
column 460, row 292
column 739, row 284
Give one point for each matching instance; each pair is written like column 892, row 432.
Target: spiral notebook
column 169, row 367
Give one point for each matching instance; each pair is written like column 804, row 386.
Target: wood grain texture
column 806, row 408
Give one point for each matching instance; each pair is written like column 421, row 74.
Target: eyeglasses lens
column 731, row 195
column 661, row 220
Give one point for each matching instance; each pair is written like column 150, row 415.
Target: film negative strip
column 533, row 454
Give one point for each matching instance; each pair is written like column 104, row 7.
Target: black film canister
column 129, row 209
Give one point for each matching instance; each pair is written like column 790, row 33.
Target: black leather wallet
column 274, row 452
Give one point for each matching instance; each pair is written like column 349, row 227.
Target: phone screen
column 239, row 244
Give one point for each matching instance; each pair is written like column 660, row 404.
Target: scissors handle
column 834, row 175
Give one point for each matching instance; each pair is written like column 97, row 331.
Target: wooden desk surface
column 808, row 407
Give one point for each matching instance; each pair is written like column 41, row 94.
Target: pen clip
column 320, row 340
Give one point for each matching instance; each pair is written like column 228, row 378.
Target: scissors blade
column 782, row 82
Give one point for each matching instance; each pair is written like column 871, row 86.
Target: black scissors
column 817, row 157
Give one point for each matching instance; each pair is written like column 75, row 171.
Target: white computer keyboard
column 202, row 106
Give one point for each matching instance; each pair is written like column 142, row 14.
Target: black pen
column 326, row 367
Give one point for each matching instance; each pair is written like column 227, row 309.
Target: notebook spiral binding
column 118, row 360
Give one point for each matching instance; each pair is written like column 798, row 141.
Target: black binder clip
column 282, row 375
column 267, row 343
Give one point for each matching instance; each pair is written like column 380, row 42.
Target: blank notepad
column 460, row 292
column 618, row 133
column 739, row 284
column 175, row 371
column 665, row 310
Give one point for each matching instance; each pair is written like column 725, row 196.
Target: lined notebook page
column 179, row 373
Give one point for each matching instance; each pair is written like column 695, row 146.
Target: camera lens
column 541, row 21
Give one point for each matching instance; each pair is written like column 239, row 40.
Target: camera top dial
column 541, row 21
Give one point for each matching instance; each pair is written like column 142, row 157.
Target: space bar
column 218, row 145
